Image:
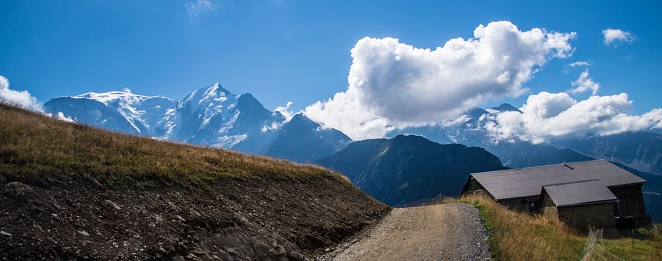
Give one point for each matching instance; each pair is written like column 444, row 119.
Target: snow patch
column 228, row 141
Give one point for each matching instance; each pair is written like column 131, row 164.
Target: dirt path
column 438, row 232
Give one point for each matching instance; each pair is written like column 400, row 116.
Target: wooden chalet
column 596, row 193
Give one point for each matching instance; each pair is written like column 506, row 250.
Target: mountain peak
column 113, row 96
column 300, row 117
column 476, row 112
column 209, row 116
column 409, row 168
column 506, row 107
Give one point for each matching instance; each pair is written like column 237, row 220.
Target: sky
column 364, row 67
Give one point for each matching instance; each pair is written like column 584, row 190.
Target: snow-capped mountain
column 118, row 111
column 211, row 116
column 215, row 117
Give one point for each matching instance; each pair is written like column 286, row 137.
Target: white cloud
column 584, row 83
column 614, row 35
column 285, row 111
column 580, row 63
column 394, row 85
column 546, row 116
column 20, row 98
column 61, row 116
column 200, row 6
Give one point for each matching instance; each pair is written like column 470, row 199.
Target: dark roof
column 578, row 193
column 516, row 183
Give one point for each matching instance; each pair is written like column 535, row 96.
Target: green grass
column 637, row 249
column 519, row 236
column 44, row 151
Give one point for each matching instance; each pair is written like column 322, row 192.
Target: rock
column 112, row 204
column 18, row 190
column 84, row 233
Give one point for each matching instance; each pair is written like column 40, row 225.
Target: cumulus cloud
column 200, row 6
column 394, row 85
column 551, row 115
column 20, row 98
column 616, row 35
column 584, row 83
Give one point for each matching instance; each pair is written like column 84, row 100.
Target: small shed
column 580, row 193
column 579, row 204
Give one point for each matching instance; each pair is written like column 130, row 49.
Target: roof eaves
column 587, row 203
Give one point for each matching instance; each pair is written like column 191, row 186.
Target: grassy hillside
column 519, row 236
column 69, row 191
column 43, row 150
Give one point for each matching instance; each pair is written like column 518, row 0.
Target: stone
column 112, row 204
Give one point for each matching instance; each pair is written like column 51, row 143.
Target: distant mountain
column 215, row 117
column 505, row 107
column 652, row 192
column 118, row 111
column 524, row 154
column 303, row 140
column 408, row 169
column 92, row 112
column 211, row 116
column 639, row 150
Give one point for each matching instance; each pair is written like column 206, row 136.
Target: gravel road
column 437, row 232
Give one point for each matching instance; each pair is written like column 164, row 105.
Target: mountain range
column 215, row 117
column 211, row 116
column 638, row 150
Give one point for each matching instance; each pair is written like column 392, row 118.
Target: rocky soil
column 436, row 232
column 234, row 219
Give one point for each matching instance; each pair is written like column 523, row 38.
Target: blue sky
column 299, row 51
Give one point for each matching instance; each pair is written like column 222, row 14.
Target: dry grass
column 519, row 236
column 43, row 150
